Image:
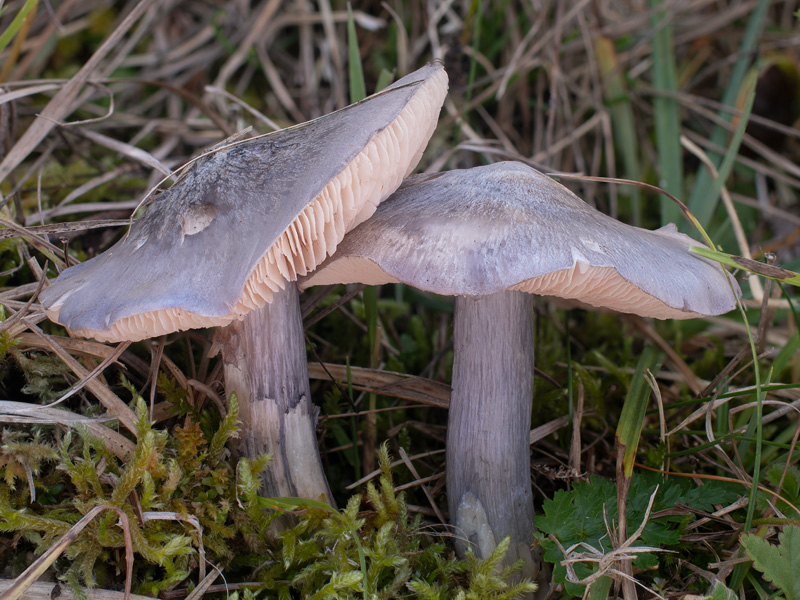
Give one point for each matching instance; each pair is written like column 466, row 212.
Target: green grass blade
column 667, row 115
column 730, row 156
column 629, row 430
column 701, row 202
column 787, row 354
column 16, row 24
column 599, row 589
column 370, row 295
column 755, row 427
column 358, row 89
column 384, row 79
column 792, row 305
column 615, row 92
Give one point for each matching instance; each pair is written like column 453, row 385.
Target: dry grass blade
column 42, row 590
column 205, row 585
column 132, row 152
column 95, row 372
column 22, row 412
column 61, row 104
column 111, row 401
column 53, row 253
column 607, row 561
column 387, row 383
column 542, row 431
column 16, row 590
column 377, row 472
column 73, row 226
column 77, row 346
column 240, row 55
column 410, row 465
column 13, row 319
column 29, row 90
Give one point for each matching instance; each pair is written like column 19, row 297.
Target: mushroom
column 488, row 235
column 218, row 248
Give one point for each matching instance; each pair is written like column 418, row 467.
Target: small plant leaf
column 780, row 564
column 721, row 592
column 749, row 265
column 630, row 422
column 16, row 24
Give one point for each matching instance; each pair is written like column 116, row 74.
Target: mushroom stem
column 488, row 453
column 265, row 364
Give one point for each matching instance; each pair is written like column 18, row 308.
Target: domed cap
column 250, row 216
column 508, row 227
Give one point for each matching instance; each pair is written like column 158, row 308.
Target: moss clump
column 180, row 483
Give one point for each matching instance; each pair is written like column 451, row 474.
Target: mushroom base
column 266, row 366
column 488, row 455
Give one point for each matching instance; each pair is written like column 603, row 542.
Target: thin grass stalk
column 358, row 89
column 742, row 569
column 702, row 203
column 629, row 432
column 666, row 111
column 353, row 423
column 472, row 26
column 28, row 13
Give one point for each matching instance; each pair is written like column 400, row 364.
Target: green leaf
column 666, row 110
column 559, row 516
column 721, row 592
column 599, row 589
column 789, row 488
column 617, row 98
column 358, row 90
column 780, row 564
column 16, row 24
column 576, row 516
column 384, row 79
column 749, row 265
column 629, row 429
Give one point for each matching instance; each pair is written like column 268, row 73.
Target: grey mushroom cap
column 506, row 226
column 249, row 217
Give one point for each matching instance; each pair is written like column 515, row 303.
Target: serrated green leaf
column 780, row 564
column 558, row 518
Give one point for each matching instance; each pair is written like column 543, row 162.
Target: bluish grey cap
column 249, row 217
column 506, row 226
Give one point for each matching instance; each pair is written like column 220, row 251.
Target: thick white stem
column 488, row 457
column 265, row 364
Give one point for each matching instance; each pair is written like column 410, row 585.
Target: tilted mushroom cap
column 508, row 227
column 223, row 239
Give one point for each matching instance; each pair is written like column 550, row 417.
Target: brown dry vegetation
column 97, row 107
